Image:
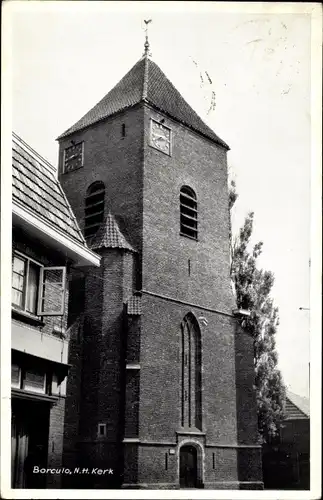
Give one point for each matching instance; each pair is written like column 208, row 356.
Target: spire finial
column 147, row 51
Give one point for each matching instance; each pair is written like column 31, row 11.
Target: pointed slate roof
column 296, row 407
column 109, row 236
column 145, row 82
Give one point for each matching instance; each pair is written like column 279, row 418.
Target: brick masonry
column 200, row 164
column 141, row 407
column 55, row 442
column 118, row 163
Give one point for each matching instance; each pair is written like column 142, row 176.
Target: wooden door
column 188, row 467
column 29, row 443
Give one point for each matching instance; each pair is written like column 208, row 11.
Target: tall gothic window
column 191, row 414
column 188, row 212
column 94, row 208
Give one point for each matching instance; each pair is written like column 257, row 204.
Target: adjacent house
column 46, row 244
column 286, row 463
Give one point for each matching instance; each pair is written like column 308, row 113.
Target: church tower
column 161, row 381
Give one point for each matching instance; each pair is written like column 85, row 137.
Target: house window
column 15, row 376
column 123, row 130
column 31, row 380
column 36, row 289
column 34, row 381
column 188, row 213
column 25, row 283
column 52, row 291
column 94, row 208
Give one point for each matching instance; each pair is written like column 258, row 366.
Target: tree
column 253, row 288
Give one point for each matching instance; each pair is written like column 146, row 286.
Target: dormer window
column 94, row 208
column 188, row 213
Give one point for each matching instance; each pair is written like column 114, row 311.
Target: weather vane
column 147, row 52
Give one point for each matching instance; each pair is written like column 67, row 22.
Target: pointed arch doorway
column 188, row 467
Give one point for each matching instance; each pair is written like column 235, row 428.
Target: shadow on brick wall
column 249, row 452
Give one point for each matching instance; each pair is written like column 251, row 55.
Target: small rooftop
column 109, row 235
column 297, row 407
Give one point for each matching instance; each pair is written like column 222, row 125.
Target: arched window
column 188, row 211
column 94, row 208
column 191, row 383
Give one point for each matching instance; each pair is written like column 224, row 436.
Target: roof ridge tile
column 146, row 79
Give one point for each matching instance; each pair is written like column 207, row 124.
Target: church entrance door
column 188, row 467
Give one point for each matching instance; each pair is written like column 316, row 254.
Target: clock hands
column 160, row 136
column 73, row 156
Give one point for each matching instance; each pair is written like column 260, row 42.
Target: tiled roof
column 146, row 82
column 35, row 187
column 296, row 407
column 134, row 305
column 109, row 236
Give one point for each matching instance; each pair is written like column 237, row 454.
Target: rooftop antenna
column 147, row 51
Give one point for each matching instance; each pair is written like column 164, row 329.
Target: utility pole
column 309, row 364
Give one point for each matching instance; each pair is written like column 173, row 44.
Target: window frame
column 25, row 284
column 193, row 197
column 21, row 385
column 103, row 426
column 90, row 194
column 40, row 286
column 41, row 290
column 24, row 380
column 191, row 373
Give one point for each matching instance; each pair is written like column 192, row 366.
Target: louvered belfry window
column 188, row 212
column 94, row 208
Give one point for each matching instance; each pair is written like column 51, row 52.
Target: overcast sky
column 67, row 56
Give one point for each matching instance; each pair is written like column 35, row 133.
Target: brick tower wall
column 200, row 164
column 114, row 160
column 142, row 191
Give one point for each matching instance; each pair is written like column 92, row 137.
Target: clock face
column 160, row 137
column 73, row 157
